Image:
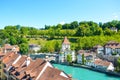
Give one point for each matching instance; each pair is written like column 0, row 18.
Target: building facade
column 103, row 65
column 98, row 49
column 8, row 48
column 112, row 48
column 65, row 50
column 88, row 57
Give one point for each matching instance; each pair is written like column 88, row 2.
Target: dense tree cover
column 15, row 35
column 79, row 29
column 12, row 40
column 113, row 23
column 24, row 48
column 85, row 28
column 57, row 46
column 76, row 24
column 89, row 42
column 87, row 34
column 75, row 28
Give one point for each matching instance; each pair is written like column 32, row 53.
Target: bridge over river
column 47, row 56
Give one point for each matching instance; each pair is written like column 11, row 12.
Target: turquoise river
column 84, row 74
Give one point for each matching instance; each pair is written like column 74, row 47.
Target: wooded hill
column 82, row 35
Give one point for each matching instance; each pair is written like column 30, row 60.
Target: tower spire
column 66, row 41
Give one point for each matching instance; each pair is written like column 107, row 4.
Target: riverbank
column 79, row 73
column 98, row 70
column 94, row 69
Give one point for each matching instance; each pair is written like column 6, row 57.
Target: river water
column 84, row 74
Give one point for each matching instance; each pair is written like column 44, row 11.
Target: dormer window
column 17, row 73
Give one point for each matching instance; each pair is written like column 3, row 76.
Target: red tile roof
column 22, row 71
column 85, row 53
column 112, row 44
column 102, row 62
column 66, row 41
column 2, row 54
column 97, row 46
column 53, row 74
column 8, row 46
column 34, row 71
column 9, row 58
column 20, row 62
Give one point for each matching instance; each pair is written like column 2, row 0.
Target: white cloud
column 62, row 22
column 116, row 16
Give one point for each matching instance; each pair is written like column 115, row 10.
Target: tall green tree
column 59, row 26
column 51, row 32
column 24, row 49
column 24, row 31
column 66, row 26
column 32, row 31
column 57, row 32
column 73, row 25
column 12, row 40
column 69, row 58
column 118, row 63
column 107, row 31
column 4, row 34
column 57, row 46
column 83, row 30
column 83, row 59
column 98, row 31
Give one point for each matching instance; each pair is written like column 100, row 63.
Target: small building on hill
column 34, row 47
column 114, row 29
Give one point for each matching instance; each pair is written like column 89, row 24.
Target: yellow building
column 1, row 67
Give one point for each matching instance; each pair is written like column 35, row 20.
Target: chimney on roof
column 27, row 61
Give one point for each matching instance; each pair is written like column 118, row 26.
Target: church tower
column 65, row 44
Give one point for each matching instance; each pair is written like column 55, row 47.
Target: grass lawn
column 42, row 42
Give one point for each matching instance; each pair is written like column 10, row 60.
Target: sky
column 38, row 13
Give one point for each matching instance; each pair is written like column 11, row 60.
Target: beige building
column 8, row 48
column 1, row 65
